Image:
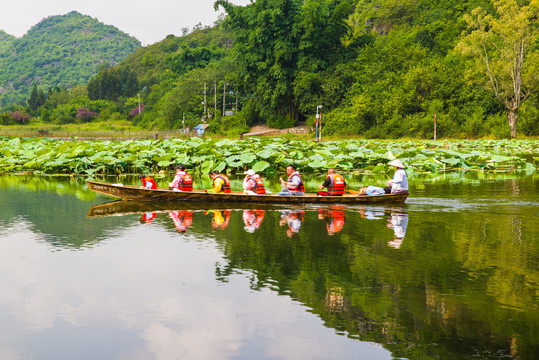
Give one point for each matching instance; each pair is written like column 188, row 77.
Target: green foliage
column 59, row 51
column 269, row 154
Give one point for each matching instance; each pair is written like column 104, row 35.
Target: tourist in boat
column 294, row 184
column 253, row 184
column 399, row 183
column 334, row 183
column 220, row 182
column 182, row 181
column 147, row 182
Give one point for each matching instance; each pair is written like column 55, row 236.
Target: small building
column 199, row 129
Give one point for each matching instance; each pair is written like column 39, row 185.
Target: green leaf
column 260, row 166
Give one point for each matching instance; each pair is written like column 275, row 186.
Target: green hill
column 59, row 51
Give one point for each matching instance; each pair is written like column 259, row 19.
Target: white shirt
column 400, row 181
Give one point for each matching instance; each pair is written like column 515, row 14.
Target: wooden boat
column 127, row 192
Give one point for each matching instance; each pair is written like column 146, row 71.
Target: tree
column 504, row 44
column 33, row 101
column 283, row 48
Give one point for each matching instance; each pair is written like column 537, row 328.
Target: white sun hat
column 396, row 163
column 250, row 172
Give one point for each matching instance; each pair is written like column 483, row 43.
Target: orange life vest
column 300, row 187
column 337, row 184
column 259, row 187
column 226, row 185
column 187, row 182
column 147, row 180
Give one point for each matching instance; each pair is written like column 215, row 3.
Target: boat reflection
column 220, row 218
column 252, row 219
column 398, row 222
column 148, row 217
column 335, row 217
column 293, row 219
column 182, row 219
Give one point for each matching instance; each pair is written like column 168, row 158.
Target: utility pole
column 318, row 123
column 224, row 98
column 215, row 97
column 435, row 126
column 205, row 99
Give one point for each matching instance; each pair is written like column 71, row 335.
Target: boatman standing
column 294, row 185
column 334, row 183
column 220, row 182
column 147, row 182
column 182, row 181
column 399, row 183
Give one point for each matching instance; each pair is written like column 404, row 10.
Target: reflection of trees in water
column 409, row 299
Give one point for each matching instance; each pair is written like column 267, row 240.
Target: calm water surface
column 451, row 274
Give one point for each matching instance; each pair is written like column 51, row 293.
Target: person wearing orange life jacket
column 334, row 183
column 147, row 182
column 220, row 182
column 294, row 184
column 182, row 181
column 335, row 218
column 253, row 184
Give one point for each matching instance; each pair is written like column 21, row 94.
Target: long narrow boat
column 127, row 192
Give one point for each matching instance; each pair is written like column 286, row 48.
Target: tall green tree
column 504, row 44
column 33, row 101
column 282, row 47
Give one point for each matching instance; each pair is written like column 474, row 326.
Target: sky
column 149, row 21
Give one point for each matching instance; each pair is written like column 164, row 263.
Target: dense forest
column 60, row 51
column 374, row 68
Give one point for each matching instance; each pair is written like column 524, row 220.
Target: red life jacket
column 259, row 187
column 337, row 185
column 300, row 187
column 187, row 182
column 226, row 185
column 148, row 179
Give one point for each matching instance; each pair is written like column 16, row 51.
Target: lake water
column 451, row 274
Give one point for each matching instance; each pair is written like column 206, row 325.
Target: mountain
column 59, row 51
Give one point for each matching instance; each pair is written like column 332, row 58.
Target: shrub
column 280, row 122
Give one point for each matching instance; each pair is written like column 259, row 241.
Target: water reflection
column 292, row 219
column 219, row 219
column 449, row 292
column 398, row 222
column 334, row 217
column 182, row 219
column 252, row 219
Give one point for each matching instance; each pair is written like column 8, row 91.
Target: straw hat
column 250, row 172
column 396, row 163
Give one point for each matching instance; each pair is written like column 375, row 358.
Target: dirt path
column 264, row 130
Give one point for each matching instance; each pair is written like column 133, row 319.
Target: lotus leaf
column 260, row 166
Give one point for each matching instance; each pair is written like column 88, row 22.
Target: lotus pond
column 268, row 155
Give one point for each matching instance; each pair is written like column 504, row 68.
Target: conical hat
column 396, row 163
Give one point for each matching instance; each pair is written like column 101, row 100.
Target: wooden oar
column 353, row 192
